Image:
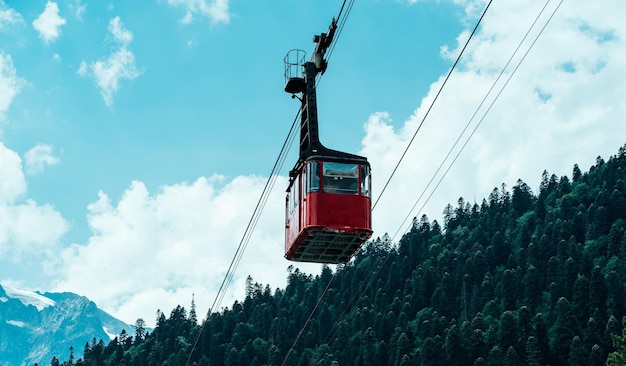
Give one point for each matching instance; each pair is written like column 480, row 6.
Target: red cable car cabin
column 328, row 209
column 328, row 213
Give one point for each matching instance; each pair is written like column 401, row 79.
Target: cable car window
column 341, row 178
column 294, row 196
column 366, row 182
column 313, row 177
column 290, row 201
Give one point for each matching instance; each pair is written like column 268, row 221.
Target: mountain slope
column 35, row 327
column 521, row 278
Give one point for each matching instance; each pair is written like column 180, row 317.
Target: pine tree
column 477, row 347
column 578, row 356
column 511, row 358
column 576, row 173
column 562, row 332
column 495, row 358
column 140, row 330
column 454, row 347
column 522, row 198
column 508, row 332
column 597, row 357
column 533, row 353
column 193, row 316
column 368, row 352
column 432, row 353
column 232, row 357
column 540, row 328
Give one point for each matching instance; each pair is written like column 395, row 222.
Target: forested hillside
column 521, row 278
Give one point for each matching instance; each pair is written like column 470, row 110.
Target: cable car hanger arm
column 323, row 41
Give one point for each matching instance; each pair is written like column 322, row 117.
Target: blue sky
column 205, row 95
column 135, row 140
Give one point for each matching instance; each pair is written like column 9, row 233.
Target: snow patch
column 3, row 299
column 16, row 323
column 111, row 335
column 29, row 298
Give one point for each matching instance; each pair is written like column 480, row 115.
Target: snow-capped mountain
column 34, row 327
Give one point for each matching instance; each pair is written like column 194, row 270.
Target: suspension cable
column 248, row 231
column 289, row 140
column 371, row 276
column 259, row 209
column 432, row 104
column 369, row 279
column 341, row 22
column 493, row 85
column 492, row 103
column 306, row 323
column 364, row 285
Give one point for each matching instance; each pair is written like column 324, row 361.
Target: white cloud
column 548, row 117
column 10, row 83
column 8, row 17
column 108, row 73
column 49, row 23
column 12, row 184
column 158, row 249
column 82, row 69
column 78, row 9
column 473, row 9
column 120, row 64
column 37, row 157
column 17, row 236
column 215, row 10
column 17, row 219
column 121, row 35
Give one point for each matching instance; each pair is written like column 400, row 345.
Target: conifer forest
column 521, row 278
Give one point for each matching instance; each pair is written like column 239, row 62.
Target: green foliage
column 522, row 279
column 619, row 343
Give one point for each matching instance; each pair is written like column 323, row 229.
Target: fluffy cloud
column 12, row 184
column 8, row 17
column 215, row 10
column 155, row 250
column 108, row 73
column 17, row 219
column 10, row 83
column 120, row 64
column 564, row 105
column 49, row 23
column 121, row 35
column 39, row 156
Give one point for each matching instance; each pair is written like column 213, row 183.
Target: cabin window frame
column 366, row 181
column 293, row 196
column 340, row 178
column 313, row 177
